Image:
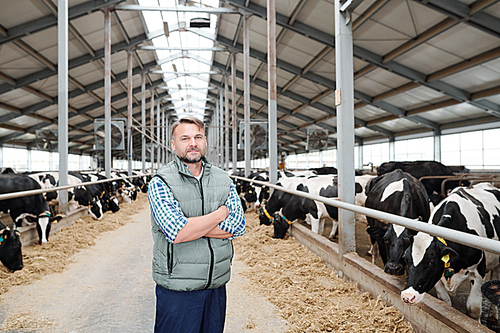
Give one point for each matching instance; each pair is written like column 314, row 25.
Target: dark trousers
column 199, row 311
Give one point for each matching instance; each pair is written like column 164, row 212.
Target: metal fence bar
column 33, row 192
column 463, row 238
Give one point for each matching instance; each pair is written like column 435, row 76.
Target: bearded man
column 195, row 214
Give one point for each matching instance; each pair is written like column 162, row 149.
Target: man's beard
column 189, row 160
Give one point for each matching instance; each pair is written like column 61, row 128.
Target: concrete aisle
column 109, row 289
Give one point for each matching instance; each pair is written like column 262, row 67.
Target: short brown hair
column 188, row 120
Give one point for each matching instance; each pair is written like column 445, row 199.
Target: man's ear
column 172, row 144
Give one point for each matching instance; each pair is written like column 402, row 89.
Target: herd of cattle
column 41, row 208
column 428, row 261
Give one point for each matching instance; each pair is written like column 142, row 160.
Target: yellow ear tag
column 249, row 191
column 442, row 241
column 446, row 260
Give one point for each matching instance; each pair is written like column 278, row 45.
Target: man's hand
column 205, row 225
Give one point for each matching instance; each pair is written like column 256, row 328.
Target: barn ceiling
column 420, row 67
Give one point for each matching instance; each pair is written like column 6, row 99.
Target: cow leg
column 442, row 293
column 374, row 250
column 335, row 225
column 475, row 296
column 315, row 225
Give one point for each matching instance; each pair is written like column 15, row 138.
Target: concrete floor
column 109, row 288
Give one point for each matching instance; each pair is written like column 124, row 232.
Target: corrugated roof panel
column 454, row 113
column 427, row 59
column 17, row 12
column 416, row 97
column 477, row 78
column 319, row 15
column 452, row 41
column 19, row 98
column 369, row 112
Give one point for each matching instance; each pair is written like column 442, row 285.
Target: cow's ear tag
column 2, row 238
column 250, row 191
column 446, row 260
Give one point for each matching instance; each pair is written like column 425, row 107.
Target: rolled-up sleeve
column 235, row 223
column 165, row 209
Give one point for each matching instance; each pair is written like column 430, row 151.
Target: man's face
column 189, row 143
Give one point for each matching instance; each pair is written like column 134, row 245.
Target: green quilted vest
column 204, row 263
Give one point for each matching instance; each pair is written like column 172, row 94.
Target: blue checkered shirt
column 168, row 215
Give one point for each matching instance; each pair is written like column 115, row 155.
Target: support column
column 164, row 137
column 158, row 139
column 220, row 132
column 63, row 87
column 345, row 125
column 107, row 93
column 246, row 99
column 271, row 88
column 360, row 155
column 392, row 149
column 129, row 111
column 226, row 126
column 152, row 130
column 143, row 118
column 235, row 113
column 214, row 135
column 437, row 146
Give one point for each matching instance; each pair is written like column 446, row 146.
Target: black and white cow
column 315, row 213
column 77, row 196
column 430, row 259
column 398, row 193
column 100, row 192
column 299, row 207
column 278, row 199
column 420, row 169
column 10, row 248
column 33, row 208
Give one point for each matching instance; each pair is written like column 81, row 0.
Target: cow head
column 397, row 239
column 281, row 225
column 10, row 249
column 43, row 225
column 84, row 198
column 426, row 258
column 144, row 188
column 109, row 203
column 275, row 203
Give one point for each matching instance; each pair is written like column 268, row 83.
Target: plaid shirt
column 168, row 215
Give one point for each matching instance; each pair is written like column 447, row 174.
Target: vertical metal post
column 271, row 88
column 226, row 125
column 235, row 113
column 164, row 137
column 129, row 111
column 392, row 149
column 220, row 132
column 158, row 138
column 143, row 118
column 360, row 155
column 345, row 125
column 152, row 129
column 107, row 92
column 246, row 99
column 437, row 146
column 215, row 138
column 63, row 86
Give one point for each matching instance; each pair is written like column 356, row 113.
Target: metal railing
column 13, row 195
column 463, row 238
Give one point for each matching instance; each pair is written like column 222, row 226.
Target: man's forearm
column 199, row 226
column 218, row 233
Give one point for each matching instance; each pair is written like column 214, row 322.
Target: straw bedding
column 309, row 295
